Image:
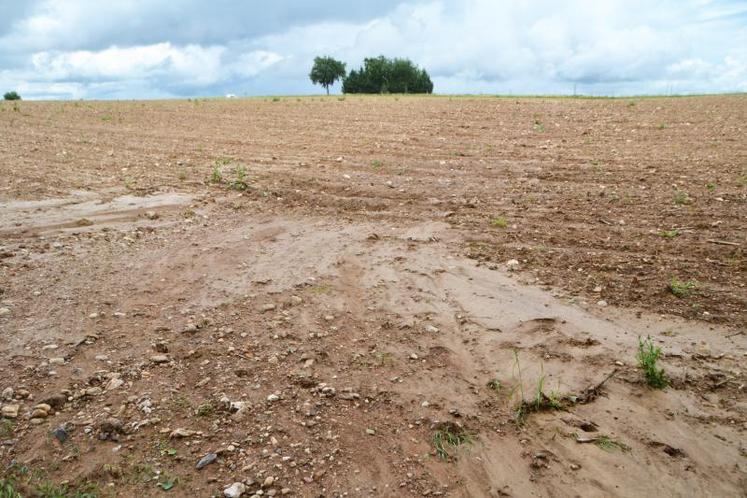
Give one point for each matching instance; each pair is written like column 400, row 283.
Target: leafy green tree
column 12, row 95
column 383, row 75
column 326, row 71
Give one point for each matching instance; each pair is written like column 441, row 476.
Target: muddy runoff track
column 341, row 299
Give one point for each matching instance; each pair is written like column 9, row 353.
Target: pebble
column 114, row 384
column 8, row 393
column 268, row 482
column 57, row 361
column 10, row 411
column 235, row 490
column 159, row 358
column 512, row 264
column 430, row 329
column 371, row 432
column 273, row 397
column 268, row 307
column 601, row 302
column 206, row 460
column 60, row 434
column 4, row 311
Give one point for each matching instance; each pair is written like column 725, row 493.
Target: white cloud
column 540, row 46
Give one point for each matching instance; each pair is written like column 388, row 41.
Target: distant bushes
column 383, row 75
column 13, row 95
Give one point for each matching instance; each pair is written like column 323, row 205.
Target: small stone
column 575, row 466
column 285, row 491
column 598, row 288
column 60, row 434
column 10, row 411
column 413, row 356
column 4, row 311
column 235, row 490
column 512, row 264
column 93, row 391
column 371, row 432
column 159, row 358
column 114, row 383
column 431, row 329
column 57, row 361
column 601, row 302
column 7, row 394
column 181, row 433
column 268, row 482
column 151, row 215
column 329, row 318
column 101, row 357
column 206, row 460
column 268, row 307
column 273, row 397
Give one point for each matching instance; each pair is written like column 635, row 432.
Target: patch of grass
column 106, row 118
column 648, row 355
column 682, row 199
column 538, row 126
column 8, row 489
column 711, row 187
column 376, row 164
column 742, row 180
column 240, row 182
column 495, row 385
column 129, row 183
column 608, row 444
column 670, row 234
column 499, row 222
column 182, row 174
column 276, row 99
column 448, row 438
column 216, row 176
column 681, row 289
column 205, row 409
column 7, row 427
column 662, row 126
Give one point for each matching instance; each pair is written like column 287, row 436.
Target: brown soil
column 325, row 322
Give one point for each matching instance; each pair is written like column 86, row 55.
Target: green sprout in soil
column 648, row 356
column 681, row 289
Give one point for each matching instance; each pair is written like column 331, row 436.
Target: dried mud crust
column 328, row 328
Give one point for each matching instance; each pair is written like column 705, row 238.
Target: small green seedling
column 499, row 222
column 670, row 234
column 681, row 289
column 216, row 176
column 448, row 438
column 682, row 199
column 648, row 356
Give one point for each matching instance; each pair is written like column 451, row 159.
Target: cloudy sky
column 182, row 48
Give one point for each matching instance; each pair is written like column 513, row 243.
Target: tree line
column 377, row 75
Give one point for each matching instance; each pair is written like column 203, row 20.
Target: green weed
column 205, row 409
column 682, row 198
column 648, row 355
column 376, row 164
column 448, row 438
column 681, row 289
column 608, row 444
column 499, row 222
column 240, row 182
column 670, row 234
column 216, row 176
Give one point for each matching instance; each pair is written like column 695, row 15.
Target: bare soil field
column 373, row 296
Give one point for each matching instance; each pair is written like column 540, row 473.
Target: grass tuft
column 448, row 438
column 499, row 222
column 648, row 356
column 681, row 289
